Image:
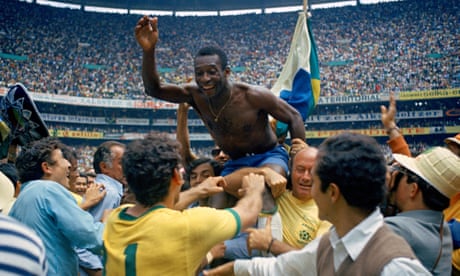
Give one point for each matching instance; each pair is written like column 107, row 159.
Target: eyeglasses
column 402, row 170
column 411, row 177
column 215, row 152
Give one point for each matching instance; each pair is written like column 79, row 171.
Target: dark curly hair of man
column 149, row 164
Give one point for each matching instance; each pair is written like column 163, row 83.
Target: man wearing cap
column 453, row 143
column 421, row 188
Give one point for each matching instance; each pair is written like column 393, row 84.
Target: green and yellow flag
column 299, row 81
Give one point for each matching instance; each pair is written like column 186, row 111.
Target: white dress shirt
column 303, row 261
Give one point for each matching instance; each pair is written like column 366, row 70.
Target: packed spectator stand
column 368, row 49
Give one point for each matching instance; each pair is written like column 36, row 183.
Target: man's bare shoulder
column 245, row 87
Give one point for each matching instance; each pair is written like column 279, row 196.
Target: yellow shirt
column 453, row 211
column 300, row 220
column 164, row 241
column 77, row 197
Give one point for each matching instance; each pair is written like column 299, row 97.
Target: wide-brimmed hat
column 6, row 194
column 455, row 139
column 437, row 166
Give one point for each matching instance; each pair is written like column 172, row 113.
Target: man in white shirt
column 348, row 185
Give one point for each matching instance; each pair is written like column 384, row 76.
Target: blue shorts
column 276, row 156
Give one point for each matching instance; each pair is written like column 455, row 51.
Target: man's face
column 301, row 177
column 219, row 155
column 200, row 173
column 209, row 75
column 115, row 171
column 80, row 185
column 59, row 169
column 400, row 187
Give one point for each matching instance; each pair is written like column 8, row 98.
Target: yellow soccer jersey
column 164, row 241
column 77, row 197
column 300, row 220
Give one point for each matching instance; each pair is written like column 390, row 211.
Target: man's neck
column 139, row 209
column 348, row 219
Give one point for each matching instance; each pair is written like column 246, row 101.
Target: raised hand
column 389, row 114
column 146, row 32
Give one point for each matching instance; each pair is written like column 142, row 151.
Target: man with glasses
column 219, row 155
column 421, row 188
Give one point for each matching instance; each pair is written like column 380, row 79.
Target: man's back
column 381, row 249
column 429, row 239
column 164, row 241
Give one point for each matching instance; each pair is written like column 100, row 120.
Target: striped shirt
column 21, row 250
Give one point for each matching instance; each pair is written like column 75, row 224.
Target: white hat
column 6, row 194
column 437, row 166
column 455, row 139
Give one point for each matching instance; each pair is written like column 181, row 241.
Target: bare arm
column 280, row 110
column 274, row 179
column 250, row 205
column 397, row 142
column 147, row 34
column 182, row 134
column 210, row 186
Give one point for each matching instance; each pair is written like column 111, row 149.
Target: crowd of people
column 259, row 207
column 150, row 171
column 399, row 46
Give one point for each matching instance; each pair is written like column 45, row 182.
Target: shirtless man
column 235, row 114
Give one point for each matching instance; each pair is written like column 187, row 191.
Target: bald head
column 301, row 178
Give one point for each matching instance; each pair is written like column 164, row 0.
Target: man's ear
column 334, row 192
column 177, row 176
column 103, row 167
column 227, row 71
column 414, row 188
column 46, row 168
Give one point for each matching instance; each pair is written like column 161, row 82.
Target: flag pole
column 305, row 4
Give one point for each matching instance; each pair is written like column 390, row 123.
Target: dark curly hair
column 355, row 163
column 148, row 165
column 216, row 167
column 29, row 160
column 213, row 50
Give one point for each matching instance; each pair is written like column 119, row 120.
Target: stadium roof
column 194, row 5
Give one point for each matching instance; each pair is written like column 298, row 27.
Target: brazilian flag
column 299, row 81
